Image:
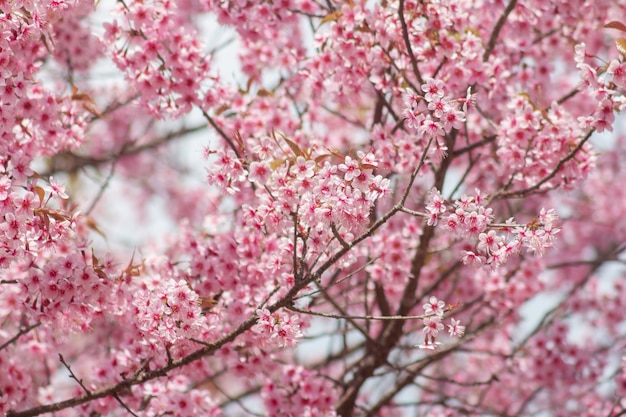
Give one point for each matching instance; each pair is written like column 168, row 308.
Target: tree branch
column 70, row 162
column 527, row 191
column 18, row 335
column 496, row 30
column 407, row 43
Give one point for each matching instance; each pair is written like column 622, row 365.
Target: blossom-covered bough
column 407, row 208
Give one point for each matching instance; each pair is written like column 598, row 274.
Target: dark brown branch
column 18, row 335
column 391, row 332
column 343, row 243
column 381, row 300
column 473, row 146
column 73, row 376
column 119, row 400
column 413, row 372
column 568, row 96
column 387, row 105
column 223, row 134
column 496, row 30
column 549, row 33
column 407, row 43
column 378, row 111
column 146, row 376
column 70, row 162
column 350, row 317
column 530, row 190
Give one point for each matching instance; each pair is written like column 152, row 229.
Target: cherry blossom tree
column 408, row 208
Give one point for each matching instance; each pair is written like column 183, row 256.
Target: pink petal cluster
column 435, row 310
column 359, row 157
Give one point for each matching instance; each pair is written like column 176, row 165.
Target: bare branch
column 73, row 376
column 18, row 335
column 349, row 317
column 70, row 162
column 496, row 30
column 407, row 43
column 527, row 191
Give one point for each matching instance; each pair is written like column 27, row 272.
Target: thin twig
column 73, row 376
column 472, row 164
column 407, row 43
column 413, row 212
column 237, row 400
column 496, row 30
column 70, row 162
column 103, row 187
column 529, row 190
column 18, row 335
column 344, row 315
column 568, row 96
column 344, row 117
column 338, row 236
column 221, row 133
column 119, row 400
column 350, row 317
column 473, row 146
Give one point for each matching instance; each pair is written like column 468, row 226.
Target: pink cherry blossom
column 455, row 329
column 259, row 207
column 433, row 89
column 432, row 326
column 434, row 306
column 351, row 168
column 260, row 172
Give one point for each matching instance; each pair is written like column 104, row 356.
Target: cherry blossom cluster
column 321, row 195
column 561, row 360
column 56, row 279
column 38, row 120
column 533, row 141
column 598, row 83
column 169, row 312
column 441, row 115
column 325, row 200
column 434, row 310
column 17, row 379
column 299, row 392
column 468, row 217
column 43, row 251
column 73, row 42
column 162, row 59
column 285, row 50
column 228, row 172
column 341, row 69
column 177, row 396
column 280, row 329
